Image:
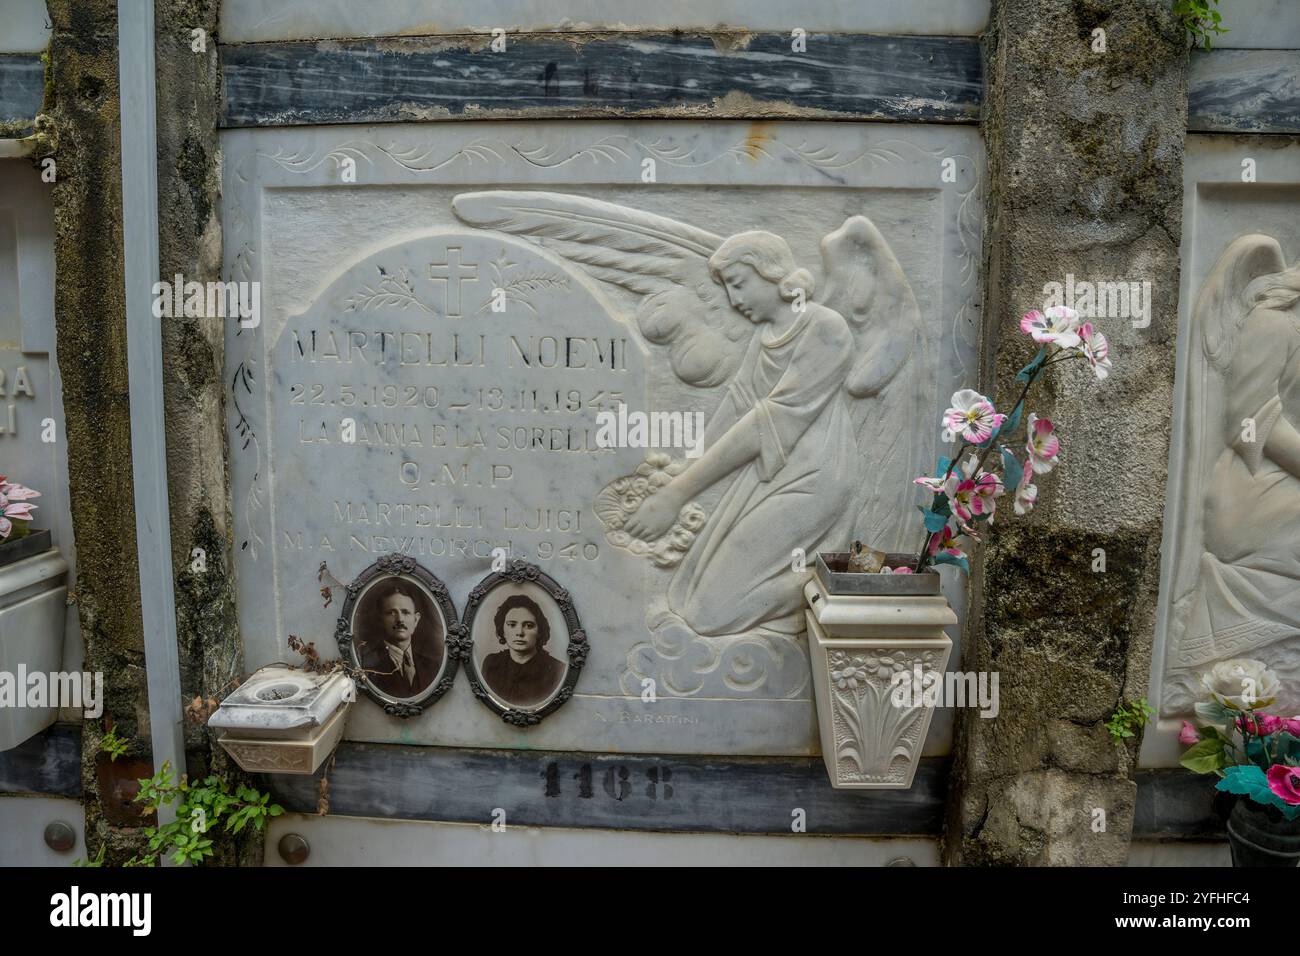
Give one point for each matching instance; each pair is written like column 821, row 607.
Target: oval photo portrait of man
column 520, row 643
column 399, row 636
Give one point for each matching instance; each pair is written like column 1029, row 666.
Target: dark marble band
column 902, row 78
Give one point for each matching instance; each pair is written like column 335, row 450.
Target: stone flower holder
column 283, row 720
column 862, row 630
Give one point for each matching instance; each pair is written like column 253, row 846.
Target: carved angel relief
column 827, row 396
column 1236, row 591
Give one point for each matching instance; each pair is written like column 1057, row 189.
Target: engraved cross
column 453, row 272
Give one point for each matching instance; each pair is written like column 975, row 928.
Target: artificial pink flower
column 935, row 485
column 1261, row 726
column 1059, row 326
column 22, row 511
column 973, row 495
column 1043, row 446
column 1285, row 782
column 972, row 417
column 902, row 570
column 1095, row 349
column 1026, row 491
column 17, row 492
column 13, row 504
column 1291, row 725
column 985, row 488
column 945, row 542
column 1188, row 734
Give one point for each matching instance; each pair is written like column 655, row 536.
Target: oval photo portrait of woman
column 523, row 672
column 396, row 623
column 522, row 631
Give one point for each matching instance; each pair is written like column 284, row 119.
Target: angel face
column 750, row 294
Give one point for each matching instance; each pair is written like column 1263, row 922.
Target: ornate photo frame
column 508, row 601
column 417, row 602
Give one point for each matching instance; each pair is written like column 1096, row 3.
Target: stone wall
column 1085, row 157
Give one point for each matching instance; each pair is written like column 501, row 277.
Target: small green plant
column 112, row 744
column 1199, row 19
column 198, row 809
column 1128, row 718
column 97, row 861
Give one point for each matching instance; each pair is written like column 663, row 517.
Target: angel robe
column 1248, row 594
column 795, row 493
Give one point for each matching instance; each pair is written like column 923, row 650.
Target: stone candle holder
column 283, row 720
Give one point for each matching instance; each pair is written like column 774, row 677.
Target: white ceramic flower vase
column 868, row 634
column 33, row 609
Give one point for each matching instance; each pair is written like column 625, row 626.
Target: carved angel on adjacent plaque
column 823, row 382
column 1242, row 597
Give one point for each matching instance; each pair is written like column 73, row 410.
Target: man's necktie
column 408, row 667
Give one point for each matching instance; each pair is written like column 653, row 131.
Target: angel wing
column 892, row 385
column 1222, row 306
column 663, row 261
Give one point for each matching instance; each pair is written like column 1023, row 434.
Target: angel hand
column 655, row 515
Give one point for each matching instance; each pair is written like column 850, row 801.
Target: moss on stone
column 1085, row 154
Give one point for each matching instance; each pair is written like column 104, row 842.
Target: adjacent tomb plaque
column 1231, row 564
column 448, row 316
column 33, row 450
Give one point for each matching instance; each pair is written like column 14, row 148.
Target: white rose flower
column 1241, row 684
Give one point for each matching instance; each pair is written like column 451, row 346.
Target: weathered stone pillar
column 189, row 239
column 1085, row 159
column 82, row 102
column 90, row 318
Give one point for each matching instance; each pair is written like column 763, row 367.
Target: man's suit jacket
column 388, row 677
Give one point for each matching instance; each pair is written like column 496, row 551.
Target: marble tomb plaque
column 446, row 309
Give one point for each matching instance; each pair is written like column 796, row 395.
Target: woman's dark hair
column 528, row 604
